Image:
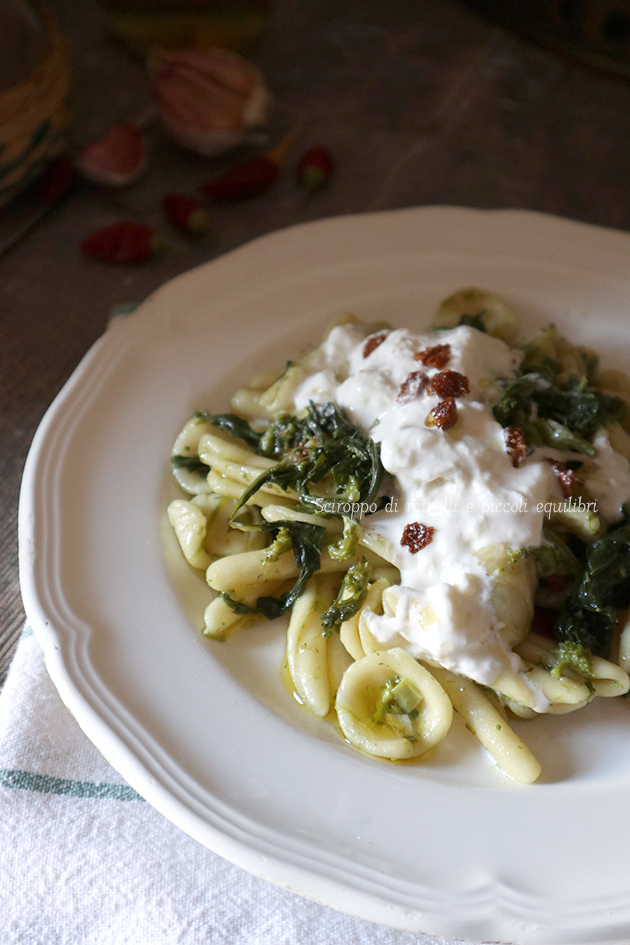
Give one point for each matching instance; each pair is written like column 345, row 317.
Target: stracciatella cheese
column 607, row 479
column 460, row 482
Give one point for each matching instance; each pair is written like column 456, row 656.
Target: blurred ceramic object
column 187, row 24
column 34, row 83
column 208, row 101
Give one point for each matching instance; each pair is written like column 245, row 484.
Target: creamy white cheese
column 608, row 479
column 459, row 481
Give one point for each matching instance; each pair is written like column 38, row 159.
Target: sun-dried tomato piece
column 417, row 536
column 444, row 415
column 438, row 356
column 373, row 342
column 556, row 582
column 565, row 477
column 515, row 445
column 449, row 384
column 413, row 386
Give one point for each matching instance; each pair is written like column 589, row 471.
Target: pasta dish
column 443, row 516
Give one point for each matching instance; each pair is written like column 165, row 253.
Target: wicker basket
column 34, row 116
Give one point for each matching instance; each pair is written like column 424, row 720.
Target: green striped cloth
column 85, row 861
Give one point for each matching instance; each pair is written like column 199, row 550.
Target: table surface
column 421, row 103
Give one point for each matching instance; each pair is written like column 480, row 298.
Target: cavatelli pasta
column 284, row 502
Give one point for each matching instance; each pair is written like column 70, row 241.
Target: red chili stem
column 315, row 168
column 185, row 214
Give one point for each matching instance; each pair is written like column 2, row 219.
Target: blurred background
column 140, row 138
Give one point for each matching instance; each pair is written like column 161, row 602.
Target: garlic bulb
column 208, row 101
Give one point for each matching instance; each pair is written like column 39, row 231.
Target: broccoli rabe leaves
column 189, row 463
column 554, row 556
column 346, row 544
column 590, row 610
column 579, row 407
column 350, row 598
column 324, row 444
column 597, row 577
column 551, row 412
column 306, row 543
column 236, row 426
column 563, row 410
column 606, row 578
column 569, row 655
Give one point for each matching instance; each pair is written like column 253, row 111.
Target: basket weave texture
column 34, row 116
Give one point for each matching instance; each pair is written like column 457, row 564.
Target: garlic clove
column 209, row 104
column 209, row 144
column 208, row 101
column 224, row 67
column 257, row 107
column 116, row 159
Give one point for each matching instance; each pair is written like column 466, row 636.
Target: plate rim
column 42, row 613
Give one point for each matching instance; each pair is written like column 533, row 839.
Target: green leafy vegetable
column 397, row 705
column 569, row 655
column 322, row 443
column 234, row 425
column 282, row 435
column 544, row 432
column 346, row 546
column 282, row 543
column 589, row 613
column 306, row 542
column 554, row 413
column 238, row 606
column 191, row 463
column 579, row 407
column 350, row 598
column 554, row 557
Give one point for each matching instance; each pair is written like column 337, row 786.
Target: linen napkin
column 84, row 860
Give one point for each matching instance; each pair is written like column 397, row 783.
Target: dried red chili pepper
column 515, row 445
column 243, row 180
column 315, row 168
column 373, row 343
column 252, row 177
column 565, row 477
column 123, row 242
column 444, row 415
column 185, row 214
column 438, row 356
column 417, row 536
column 449, row 384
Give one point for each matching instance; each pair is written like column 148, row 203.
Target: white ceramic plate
column 206, row 731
